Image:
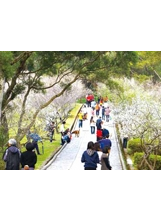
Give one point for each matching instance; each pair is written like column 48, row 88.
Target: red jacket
column 99, row 133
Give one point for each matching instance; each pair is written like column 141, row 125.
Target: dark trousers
column 36, row 147
column 88, row 103
column 62, row 138
column 80, row 123
column 51, row 136
column 89, row 168
column 97, row 112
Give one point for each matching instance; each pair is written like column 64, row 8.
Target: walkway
column 70, row 157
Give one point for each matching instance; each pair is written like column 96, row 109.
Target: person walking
column 80, row 119
column 105, row 142
column 107, row 113
column 99, row 123
column 103, row 113
column 92, row 125
column 51, row 131
column 105, row 133
column 97, row 108
column 90, row 157
column 105, row 163
column 12, row 156
column 29, row 157
column 98, row 134
column 98, row 149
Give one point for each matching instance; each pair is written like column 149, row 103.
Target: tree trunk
column 2, row 86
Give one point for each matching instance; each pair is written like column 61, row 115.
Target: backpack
column 105, row 132
column 13, row 161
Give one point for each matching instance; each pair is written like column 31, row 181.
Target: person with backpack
column 105, row 133
column 12, row 156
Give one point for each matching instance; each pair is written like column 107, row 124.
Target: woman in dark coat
column 90, row 157
column 29, row 157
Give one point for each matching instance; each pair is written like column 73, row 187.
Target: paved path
column 70, row 156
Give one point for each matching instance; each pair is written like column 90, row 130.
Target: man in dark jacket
column 12, row 156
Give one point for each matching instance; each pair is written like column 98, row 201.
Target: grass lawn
column 49, row 148
column 2, row 163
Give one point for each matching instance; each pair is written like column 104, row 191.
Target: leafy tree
column 22, row 73
column 149, row 64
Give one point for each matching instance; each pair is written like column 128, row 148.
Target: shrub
column 134, row 146
column 138, row 158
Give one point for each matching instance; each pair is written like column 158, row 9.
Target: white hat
column 12, row 142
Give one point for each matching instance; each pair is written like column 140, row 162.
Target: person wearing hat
column 29, row 157
column 12, row 156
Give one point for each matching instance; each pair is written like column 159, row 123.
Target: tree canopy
column 23, row 73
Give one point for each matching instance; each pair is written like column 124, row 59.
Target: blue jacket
column 105, row 142
column 35, row 137
column 90, row 158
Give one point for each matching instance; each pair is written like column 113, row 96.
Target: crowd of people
column 97, row 153
column 97, row 112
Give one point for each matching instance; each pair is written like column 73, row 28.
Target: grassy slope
column 49, row 148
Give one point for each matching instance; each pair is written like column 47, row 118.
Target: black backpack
column 13, row 161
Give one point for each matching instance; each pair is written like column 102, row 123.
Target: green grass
column 72, row 115
column 49, row 148
column 2, row 163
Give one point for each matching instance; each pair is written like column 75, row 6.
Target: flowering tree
column 141, row 119
column 57, row 111
column 23, row 73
